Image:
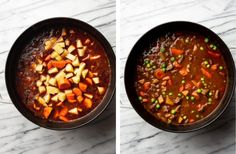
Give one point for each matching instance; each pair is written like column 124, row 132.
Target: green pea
column 184, row 117
column 192, row 98
column 211, row 45
column 221, row 67
column 197, row 116
column 209, row 99
column 163, row 69
column 179, row 94
column 158, row 106
column 163, row 93
column 153, row 100
column 206, row 40
column 214, row 47
column 186, row 40
column 163, row 65
column 162, row 49
column 205, row 62
column 172, row 59
column 173, row 111
column 140, row 98
column 201, row 48
column 202, row 79
column 192, row 111
column 148, row 65
column 180, row 56
column 210, row 93
column 187, row 97
column 199, row 90
column 208, row 65
column 154, row 67
column 183, row 81
column 170, row 93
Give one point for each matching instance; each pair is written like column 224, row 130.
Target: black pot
column 144, row 42
column 16, row 50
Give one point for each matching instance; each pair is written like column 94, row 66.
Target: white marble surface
column 17, row 134
column 137, row 17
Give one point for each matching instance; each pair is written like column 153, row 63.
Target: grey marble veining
column 17, row 134
column 137, row 17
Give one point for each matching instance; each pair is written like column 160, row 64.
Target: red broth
column 63, row 74
column 181, row 78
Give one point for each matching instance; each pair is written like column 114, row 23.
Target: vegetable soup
column 63, row 74
column 181, row 77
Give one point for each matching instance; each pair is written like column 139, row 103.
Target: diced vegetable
column 52, row 90
column 63, row 111
column 71, row 48
column 84, row 73
column 55, row 98
column 41, row 101
column 58, row 48
column 73, row 111
column 101, row 90
column 70, row 56
column 69, row 68
column 160, row 99
column 77, row 91
column 47, row 98
column 90, row 96
column 79, row 43
column 63, row 84
column 83, row 87
column 52, row 81
column 47, row 111
column 176, row 52
column 53, row 70
column 39, row 68
column 87, row 103
column 39, row 83
column 159, row 73
column 61, row 96
column 63, row 118
column 183, row 71
column 69, row 75
column 96, row 80
column 76, row 62
column 81, row 51
column 89, row 81
column 206, row 73
column 41, row 89
column 71, row 97
column 58, row 64
column 169, row 101
column 80, row 98
column 185, row 92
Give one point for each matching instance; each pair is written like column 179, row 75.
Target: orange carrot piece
column 170, row 82
column 181, row 88
column 146, row 85
column 90, row 74
column 63, row 111
column 80, row 98
column 145, row 100
column 47, row 111
column 47, row 58
column 83, row 87
column 59, row 64
column 89, row 81
column 49, row 65
column 63, row 118
column 88, row 103
column 63, row 84
column 56, row 114
column 214, row 67
column 159, row 73
column 206, row 73
column 176, row 52
column 142, row 93
column 71, row 98
column 77, row 91
column 183, row 71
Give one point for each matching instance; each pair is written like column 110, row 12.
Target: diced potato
column 52, row 82
column 80, row 69
column 67, row 42
column 61, row 96
column 160, row 99
column 47, row 98
column 60, row 39
column 42, row 78
column 69, row 75
column 39, row 68
column 71, row 48
column 76, row 62
column 68, row 91
column 53, row 70
column 169, row 101
column 70, row 56
column 101, row 90
column 79, row 44
column 79, row 109
column 58, row 58
column 41, row 101
column 41, row 89
column 69, row 68
column 39, row 83
column 96, row 80
column 49, row 43
column 65, row 53
column 52, row 90
column 185, row 92
column 60, row 75
column 88, row 95
column 62, row 44
column 76, row 79
column 63, row 32
column 58, row 48
column 180, row 119
column 84, row 73
column 55, row 98
column 47, row 80
column 81, row 52
column 73, row 111
column 54, row 54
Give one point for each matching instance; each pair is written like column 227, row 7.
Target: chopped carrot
column 80, row 98
column 181, row 88
column 159, row 73
column 63, row 118
column 47, row 58
column 185, row 92
column 183, row 71
column 83, row 87
column 47, row 111
column 214, row 67
column 71, row 98
column 77, row 91
column 55, row 114
column 63, row 83
column 59, row 64
column 195, row 94
column 206, row 73
column 90, row 74
column 213, row 54
column 176, row 64
column 49, row 65
column 88, row 103
column 191, row 120
column 170, row 82
column 146, row 85
column 142, row 93
column 89, row 81
column 176, row 52
column 63, row 111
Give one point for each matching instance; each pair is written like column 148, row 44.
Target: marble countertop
column 139, row 16
column 17, row 134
